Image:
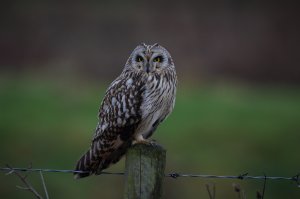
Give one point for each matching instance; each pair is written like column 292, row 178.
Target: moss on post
column 144, row 171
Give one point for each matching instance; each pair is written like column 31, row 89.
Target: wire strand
column 171, row 175
column 53, row 170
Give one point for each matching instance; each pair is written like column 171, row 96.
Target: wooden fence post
column 144, row 172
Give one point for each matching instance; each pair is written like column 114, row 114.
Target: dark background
column 238, row 102
column 242, row 39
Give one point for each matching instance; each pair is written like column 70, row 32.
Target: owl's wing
column 120, row 109
column 119, row 116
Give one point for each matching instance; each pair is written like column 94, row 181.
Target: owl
column 134, row 105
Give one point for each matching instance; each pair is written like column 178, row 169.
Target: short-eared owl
column 134, row 105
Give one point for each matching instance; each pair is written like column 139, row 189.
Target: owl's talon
column 146, row 142
column 141, row 140
column 152, row 142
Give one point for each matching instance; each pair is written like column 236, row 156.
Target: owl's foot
column 141, row 140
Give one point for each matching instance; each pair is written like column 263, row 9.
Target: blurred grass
column 221, row 129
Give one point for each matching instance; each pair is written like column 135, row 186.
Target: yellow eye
column 139, row 58
column 157, row 59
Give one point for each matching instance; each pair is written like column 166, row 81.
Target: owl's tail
column 91, row 163
column 87, row 165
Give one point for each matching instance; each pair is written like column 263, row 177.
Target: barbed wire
column 54, row 170
column 295, row 178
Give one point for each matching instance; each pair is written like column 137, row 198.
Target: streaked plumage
column 134, row 105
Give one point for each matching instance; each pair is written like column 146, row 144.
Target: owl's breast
column 158, row 102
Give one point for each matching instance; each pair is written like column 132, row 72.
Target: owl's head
column 149, row 59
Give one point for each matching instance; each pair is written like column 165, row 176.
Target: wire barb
column 296, row 179
column 173, row 175
column 242, row 176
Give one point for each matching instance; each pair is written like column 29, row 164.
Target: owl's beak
column 147, row 67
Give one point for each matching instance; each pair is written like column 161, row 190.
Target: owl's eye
column 139, row 58
column 158, row 59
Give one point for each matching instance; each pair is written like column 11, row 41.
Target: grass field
column 223, row 129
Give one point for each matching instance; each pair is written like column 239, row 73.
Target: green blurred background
column 237, row 108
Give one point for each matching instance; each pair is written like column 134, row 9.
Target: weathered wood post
column 144, row 172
